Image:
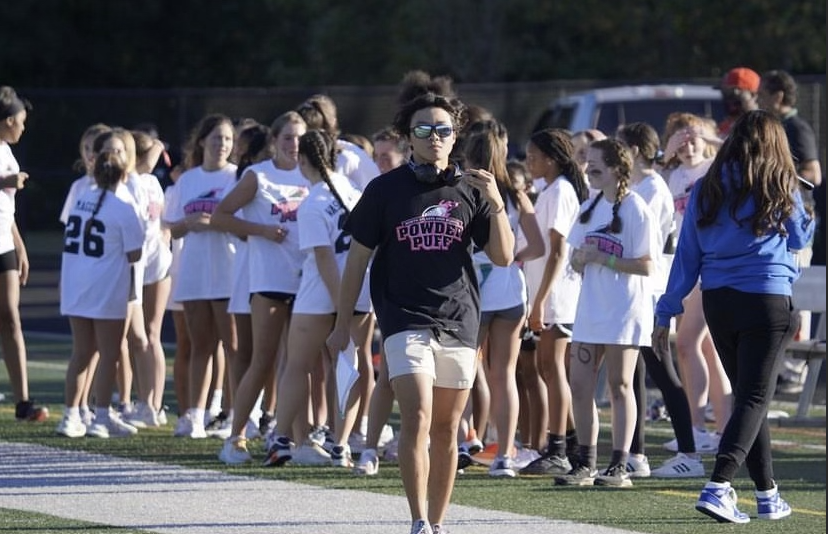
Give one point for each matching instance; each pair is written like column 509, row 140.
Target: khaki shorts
column 450, row 363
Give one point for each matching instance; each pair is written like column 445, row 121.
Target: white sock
column 72, row 412
column 256, row 412
column 215, row 402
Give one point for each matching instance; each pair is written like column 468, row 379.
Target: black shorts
column 8, row 261
column 278, row 296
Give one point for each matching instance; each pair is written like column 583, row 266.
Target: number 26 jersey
column 95, row 279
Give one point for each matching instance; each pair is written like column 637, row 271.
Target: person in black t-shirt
column 777, row 94
column 420, row 222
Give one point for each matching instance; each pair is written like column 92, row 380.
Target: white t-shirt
column 8, row 166
column 501, row 288
column 94, row 273
column 175, row 249
column 356, row 164
column 78, row 188
column 275, row 267
column 206, row 261
column 681, row 182
column 156, row 250
column 240, row 298
column 616, row 308
column 321, row 218
column 556, row 208
column 133, row 195
column 653, row 189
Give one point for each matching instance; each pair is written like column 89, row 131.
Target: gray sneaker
column 580, row 475
column 548, row 465
column 616, row 476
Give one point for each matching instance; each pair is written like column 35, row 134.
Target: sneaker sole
column 710, row 511
column 277, row 462
column 626, row 483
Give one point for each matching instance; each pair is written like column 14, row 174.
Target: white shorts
column 450, row 363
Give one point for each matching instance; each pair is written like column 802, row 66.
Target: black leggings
column 664, row 376
column 750, row 331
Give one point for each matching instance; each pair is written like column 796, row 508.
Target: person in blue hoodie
column 744, row 223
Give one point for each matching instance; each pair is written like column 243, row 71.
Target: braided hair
column 320, row 150
column 617, row 157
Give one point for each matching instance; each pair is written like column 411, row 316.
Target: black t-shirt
column 802, row 141
column 422, row 275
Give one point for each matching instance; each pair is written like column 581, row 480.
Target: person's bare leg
column 414, row 393
column 11, row 335
column 181, row 362
column 203, row 339
column 504, row 345
column 446, row 410
column 155, row 300
column 84, row 348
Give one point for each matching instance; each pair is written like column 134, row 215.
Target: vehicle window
column 653, row 112
column 557, row 117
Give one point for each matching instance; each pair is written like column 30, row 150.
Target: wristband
column 611, row 262
column 495, row 212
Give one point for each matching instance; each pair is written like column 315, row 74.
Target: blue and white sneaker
column 719, row 502
column 771, row 505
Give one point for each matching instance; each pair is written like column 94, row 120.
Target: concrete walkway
column 173, row 500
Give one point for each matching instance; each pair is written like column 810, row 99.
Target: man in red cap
column 739, row 89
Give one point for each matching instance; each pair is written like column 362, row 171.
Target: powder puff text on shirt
column 205, row 203
column 605, row 243
column 435, row 229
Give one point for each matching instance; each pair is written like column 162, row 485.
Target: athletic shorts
column 515, row 313
column 8, row 261
column 450, row 363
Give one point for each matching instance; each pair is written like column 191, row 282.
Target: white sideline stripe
column 169, row 499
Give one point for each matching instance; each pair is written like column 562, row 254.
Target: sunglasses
column 424, row 131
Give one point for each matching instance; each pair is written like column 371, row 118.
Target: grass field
column 652, row 505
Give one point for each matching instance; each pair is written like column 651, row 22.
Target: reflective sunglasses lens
column 443, row 130
column 422, row 131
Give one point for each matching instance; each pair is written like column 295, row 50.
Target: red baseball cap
column 741, row 78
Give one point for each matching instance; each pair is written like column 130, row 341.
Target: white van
column 608, row 108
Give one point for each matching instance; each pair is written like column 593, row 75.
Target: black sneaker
column 580, row 475
column 616, row 476
column 464, row 459
column 217, row 422
column 264, row 423
column 279, row 453
column 29, row 411
column 548, row 465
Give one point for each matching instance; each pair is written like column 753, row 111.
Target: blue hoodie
column 726, row 254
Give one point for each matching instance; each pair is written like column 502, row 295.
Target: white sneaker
column 341, row 456
column 638, row 466
column 502, row 467
column 390, row 453
column 143, row 416
column 71, row 427
column 188, row 427
column 680, row 466
column 706, row 442
column 234, row 451
column 319, row 434
column 386, row 436
column 162, row 416
column 525, row 457
column 367, row 464
column 114, row 427
column 87, row 416
column 473, row 446
column 309, row 453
